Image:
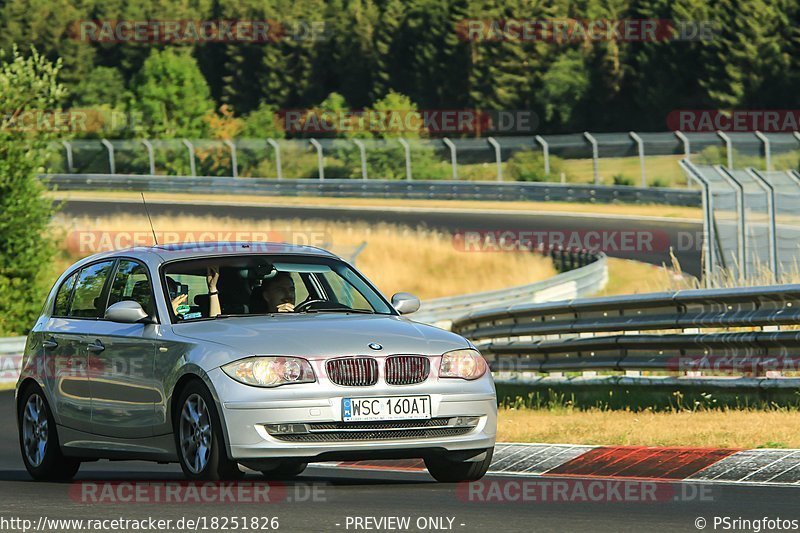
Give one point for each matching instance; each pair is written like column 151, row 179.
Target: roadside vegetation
column 27, row 84
column 713, row 428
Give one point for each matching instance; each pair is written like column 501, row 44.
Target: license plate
column 386, row 408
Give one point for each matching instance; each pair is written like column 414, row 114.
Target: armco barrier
column 11, row 350
column 582, row 281
column 417, row 189
column 735, row 331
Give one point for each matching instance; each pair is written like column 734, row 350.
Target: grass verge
column 717, row 428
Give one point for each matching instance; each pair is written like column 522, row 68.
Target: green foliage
column 565, row 84
column 621, row 179
column 28, row 85
column 366, row 50
column 261, row 123
column 529, row 166
column 172, row 96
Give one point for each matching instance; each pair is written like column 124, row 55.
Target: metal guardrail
column 11, row 349
column 605, row 333
column 583, row 274
column 417, row 189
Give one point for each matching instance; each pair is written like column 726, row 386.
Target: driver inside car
column 275, row 295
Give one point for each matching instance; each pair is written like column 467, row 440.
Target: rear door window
column 64, row 294
column 88, row 297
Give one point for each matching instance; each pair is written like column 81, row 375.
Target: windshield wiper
column 338, row 310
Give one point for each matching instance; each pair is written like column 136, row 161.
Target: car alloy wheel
column 34, row 430
column 196, row 437
column 38, row 438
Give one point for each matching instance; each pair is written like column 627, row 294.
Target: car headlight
column 464, row 364
column 270, row 371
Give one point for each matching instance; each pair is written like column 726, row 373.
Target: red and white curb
column 767, row 466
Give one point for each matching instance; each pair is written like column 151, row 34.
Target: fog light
column 464, row 421
column 286, row 429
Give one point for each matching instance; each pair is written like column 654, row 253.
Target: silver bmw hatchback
column 257, row 355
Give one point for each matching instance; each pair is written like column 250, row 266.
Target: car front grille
column 392, row 430
column 407, row 369
column 353, row 371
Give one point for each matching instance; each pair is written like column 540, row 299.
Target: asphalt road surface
column 333, row 499
column 659, row 235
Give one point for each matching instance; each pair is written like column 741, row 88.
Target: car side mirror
column 405, row 303
column 127, row 312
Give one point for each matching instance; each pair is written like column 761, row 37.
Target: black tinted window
column 87, row 301
column 62, row 298
column 131, row 283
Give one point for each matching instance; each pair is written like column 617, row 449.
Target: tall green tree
column 28, row 86
column 172, row 96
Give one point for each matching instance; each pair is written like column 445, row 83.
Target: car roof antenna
column 147, row 212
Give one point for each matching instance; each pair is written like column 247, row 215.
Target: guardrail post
column 687, row 151
column 68, row 153
column 728, row 147
column 796, row 135
column 497, row 157
column 767, row 151
column 151, row 159
column 277, row 148
column 772, row 232
column 320, row 158
column 234, row 163
column 545, row 152
column 741, row 248
column 640, row 144
column 192, row 165
column 708, row 219
column 407, row 152
column 362, row 149
column 111, row 163
column 595, row 156
column 453, row 156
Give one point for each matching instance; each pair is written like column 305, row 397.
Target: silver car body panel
column 125, row 409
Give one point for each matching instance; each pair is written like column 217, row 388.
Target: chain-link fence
column 632, row 159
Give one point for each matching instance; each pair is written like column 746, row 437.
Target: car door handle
column 50, row 343
column 96, row 346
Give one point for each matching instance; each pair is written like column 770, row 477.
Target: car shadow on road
column 350, row 478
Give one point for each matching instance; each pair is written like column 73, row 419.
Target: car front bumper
column 246, row 412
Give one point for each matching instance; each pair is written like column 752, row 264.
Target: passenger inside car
column 274, row 295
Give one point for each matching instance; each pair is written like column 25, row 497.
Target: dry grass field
column 421, row 261
column 723, row 428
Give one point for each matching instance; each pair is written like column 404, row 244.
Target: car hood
column 322, row 335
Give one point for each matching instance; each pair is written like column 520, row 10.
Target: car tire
column 38, row 439
column 446, row 470
column 286, row 470
column 199, row 438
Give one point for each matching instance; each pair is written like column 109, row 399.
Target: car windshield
column 221, row 287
